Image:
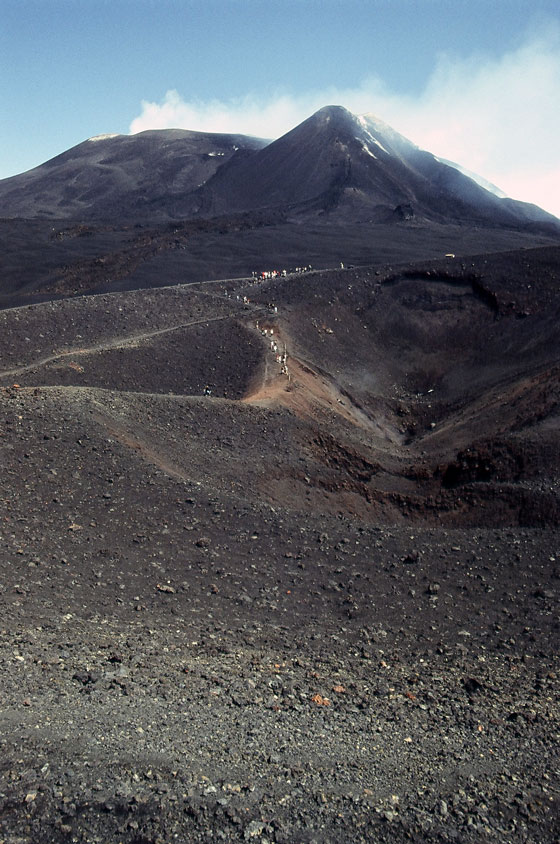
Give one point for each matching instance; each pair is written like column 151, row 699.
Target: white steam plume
column 498, row 117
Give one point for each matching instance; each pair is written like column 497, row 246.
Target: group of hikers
column 263, row 275
column 281, row 355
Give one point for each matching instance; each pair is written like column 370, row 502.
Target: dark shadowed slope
column 121, row 176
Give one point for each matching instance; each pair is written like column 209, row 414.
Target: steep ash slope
column 450, row 373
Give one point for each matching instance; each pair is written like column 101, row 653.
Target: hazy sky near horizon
column 474, row 81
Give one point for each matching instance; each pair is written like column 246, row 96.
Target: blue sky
column 476, row 81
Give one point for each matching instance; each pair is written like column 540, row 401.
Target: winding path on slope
column 116, row 343
column 308, row 391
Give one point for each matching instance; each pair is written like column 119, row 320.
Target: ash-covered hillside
column 279, row 559
column 116, row 177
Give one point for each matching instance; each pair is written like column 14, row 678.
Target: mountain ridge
column 332, row 162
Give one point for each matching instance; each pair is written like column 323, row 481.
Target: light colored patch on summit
column 103, row 137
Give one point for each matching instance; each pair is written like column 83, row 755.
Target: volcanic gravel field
column 279, row 561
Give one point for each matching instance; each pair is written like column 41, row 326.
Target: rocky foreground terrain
column 313, row 605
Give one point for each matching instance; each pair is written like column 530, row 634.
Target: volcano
column 358, row 166
column 167, row 206
column 333, row 162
